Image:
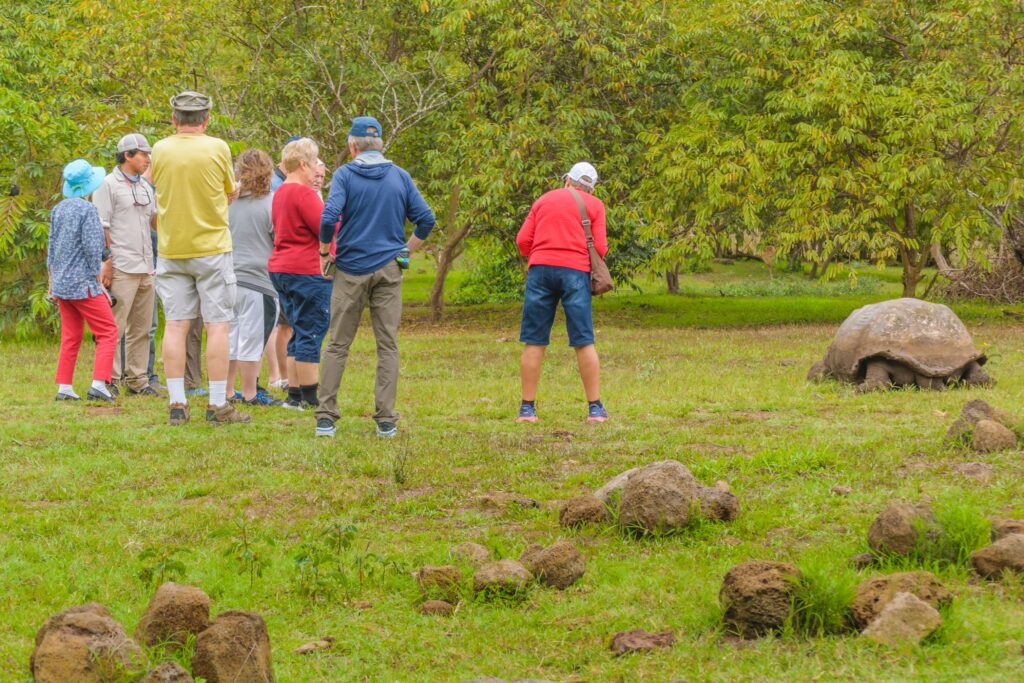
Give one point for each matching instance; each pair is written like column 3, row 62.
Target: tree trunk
column 446, row 258
column 912, row 260
column 672, row 279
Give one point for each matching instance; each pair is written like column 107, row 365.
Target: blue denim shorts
column 306, row 300
column 545, row 286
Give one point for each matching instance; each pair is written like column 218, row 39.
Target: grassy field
column 97, row 498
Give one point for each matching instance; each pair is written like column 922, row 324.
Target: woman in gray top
column 252, row 238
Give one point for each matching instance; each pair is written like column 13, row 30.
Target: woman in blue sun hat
column 77, row 248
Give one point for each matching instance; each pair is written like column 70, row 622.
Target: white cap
column 583, row 173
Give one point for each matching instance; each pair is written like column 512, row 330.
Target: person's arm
column 333, row 207
column 231, row 187
column 103, row 200
column 93, row 242
column 600, row 233
column 524, row 240
column 419, row 214
column 311, row 210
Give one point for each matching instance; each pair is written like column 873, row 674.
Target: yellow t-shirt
column 193, row 177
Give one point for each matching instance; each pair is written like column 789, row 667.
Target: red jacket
column 552, row 234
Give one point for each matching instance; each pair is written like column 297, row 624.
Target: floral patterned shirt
column 75, row 249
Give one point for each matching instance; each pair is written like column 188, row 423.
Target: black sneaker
column 96, row 395
column 292, row 404
column 324, row 427
column 147, row 390
column 112, row 388
column 67, row 397
column 387, row 430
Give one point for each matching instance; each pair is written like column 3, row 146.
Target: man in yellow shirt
column 195, row 182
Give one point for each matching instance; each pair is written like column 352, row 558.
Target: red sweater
column 296, row 216
column 552, row 234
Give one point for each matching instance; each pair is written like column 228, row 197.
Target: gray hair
column 366, row 143
column 581, row 185
column 191, row 118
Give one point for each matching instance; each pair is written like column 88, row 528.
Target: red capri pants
column 74, row 313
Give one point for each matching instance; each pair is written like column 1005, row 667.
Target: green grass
column 95, row 498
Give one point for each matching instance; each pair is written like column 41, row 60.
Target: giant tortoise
column 902, row 342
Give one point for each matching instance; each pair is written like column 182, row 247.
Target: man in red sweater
column 553, row 240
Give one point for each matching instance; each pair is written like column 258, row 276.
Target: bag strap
column 584, row 218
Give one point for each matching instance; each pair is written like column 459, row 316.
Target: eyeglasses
column 145, row 194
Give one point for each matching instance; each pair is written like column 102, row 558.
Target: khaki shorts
column 191, row 287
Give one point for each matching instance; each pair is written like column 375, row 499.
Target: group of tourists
column 251, row 253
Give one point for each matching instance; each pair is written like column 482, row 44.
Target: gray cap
column 133, row 141
column 191, row 100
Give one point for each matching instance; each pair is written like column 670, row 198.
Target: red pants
column 73, row 314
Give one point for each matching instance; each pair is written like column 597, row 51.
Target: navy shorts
column 306, row 300
column 545, row 286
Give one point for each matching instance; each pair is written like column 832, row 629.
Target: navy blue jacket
column 373, row 198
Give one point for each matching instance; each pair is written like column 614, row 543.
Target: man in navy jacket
column 372, row 198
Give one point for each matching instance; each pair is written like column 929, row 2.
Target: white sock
column 100, row 386
column 67, row 390
column 176, row 389
column 218, row 392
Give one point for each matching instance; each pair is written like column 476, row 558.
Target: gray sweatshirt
column 252, row 238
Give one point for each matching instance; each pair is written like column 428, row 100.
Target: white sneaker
column 281, row 384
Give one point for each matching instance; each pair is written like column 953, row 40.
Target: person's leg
column 530, row 364
column 137, row 334
column 385, row 298
column 123, row 287
column 270, row 356
column 194, row 354
column 348, row 298
column 97, row 313
column 215, row 283
column 151, row 367
column 539, row 304
column 282, row 338
column 590, row 371
column 71, row 330
column 177, row 291
column 312, row 317
column 255, row 315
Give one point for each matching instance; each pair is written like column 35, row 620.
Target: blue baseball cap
column 365, row 127
column 81, row 178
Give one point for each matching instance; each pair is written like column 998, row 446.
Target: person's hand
column 414, row 244
column 107, row 273
column 232, row 196
column 325, row 261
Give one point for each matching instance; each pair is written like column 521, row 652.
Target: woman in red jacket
column 552, row 238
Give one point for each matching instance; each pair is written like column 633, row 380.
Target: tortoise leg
column 902, row 376
column 975, row 375
column 936, row 383
column 876, row 378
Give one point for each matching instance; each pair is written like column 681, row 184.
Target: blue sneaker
column 597, row 413
column 263, row 399
column 527, row 413
column 324, row 427
column 197, row 391
column 387, row 430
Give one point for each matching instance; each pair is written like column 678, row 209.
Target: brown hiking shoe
column 225, row 414
column 178, row 414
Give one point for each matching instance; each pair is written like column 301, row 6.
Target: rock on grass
column 235, row 647
column 559, row 565
column 175, row 613
column 84, row 644
column 502, row 578
column 1006, row 554
column 658, row 498
column 873, row 595
column 901, row 527
column 582, row 510
column 905, row 619
column 639, row 640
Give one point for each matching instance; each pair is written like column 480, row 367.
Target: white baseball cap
column 582, row 173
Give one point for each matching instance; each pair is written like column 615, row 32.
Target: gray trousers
column 382, row 290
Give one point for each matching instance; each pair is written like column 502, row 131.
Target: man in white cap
column 554, row 241
column 195, row 182
column 127, row 207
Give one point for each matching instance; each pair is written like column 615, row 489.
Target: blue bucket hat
column 80, row 178
column 365, row 127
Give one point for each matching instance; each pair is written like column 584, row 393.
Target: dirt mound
column 716, row 503
column 1005, row 527
column 990, row 436
column 581, row 510
column 901, row 527
column 235, row 647
column 504, row 577
column 905, row 619
column 473, row 553
column 639, row 640
column 84, row 644
column 439, row 608
column 559, row 565
column 874, row 594
column 168, row 672
column 174, row 613
column 757, row 597
column 443, row 582
column 659, row 498
column 1006, row 554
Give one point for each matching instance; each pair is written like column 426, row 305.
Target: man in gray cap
column 195, row 276
column 127, row 207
